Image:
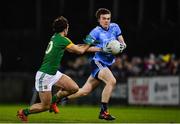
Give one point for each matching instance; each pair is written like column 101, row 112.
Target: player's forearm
column 82, row 49
column 121, row 39
column 78, row 49
column 94, row 49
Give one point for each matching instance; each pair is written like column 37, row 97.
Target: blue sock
column 103, row 107
column 64, row 99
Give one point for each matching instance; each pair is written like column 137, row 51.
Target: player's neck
column 62, row 34
column 104, row 28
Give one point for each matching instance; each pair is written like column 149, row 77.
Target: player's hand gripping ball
column 114, row 47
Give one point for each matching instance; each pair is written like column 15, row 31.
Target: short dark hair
column 102, row 11
column 59, row 24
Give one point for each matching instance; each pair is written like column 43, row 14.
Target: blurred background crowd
column 124, row 66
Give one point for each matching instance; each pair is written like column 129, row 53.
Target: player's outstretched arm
column 78, row 49
column 81, row 48
column 94, row 49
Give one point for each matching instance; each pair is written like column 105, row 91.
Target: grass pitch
column 89, row 114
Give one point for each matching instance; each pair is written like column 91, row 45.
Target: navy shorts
column 96, row 66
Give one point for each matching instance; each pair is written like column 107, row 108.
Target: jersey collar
column 104, row 28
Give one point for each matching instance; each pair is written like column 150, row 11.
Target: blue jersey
column 103, row 36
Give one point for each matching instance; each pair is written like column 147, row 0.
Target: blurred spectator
column 172, row 65
column 136, row 66
column 117, row 68
column 78, row 68
column 168, row 65
column 150, row 67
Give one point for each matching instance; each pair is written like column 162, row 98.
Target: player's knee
column 113, row 81
column 75, row 89
column 85, row 94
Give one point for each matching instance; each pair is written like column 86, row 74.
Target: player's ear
column 66, row 31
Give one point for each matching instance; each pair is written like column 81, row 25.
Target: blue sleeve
column 94, row 34
column 118, row 30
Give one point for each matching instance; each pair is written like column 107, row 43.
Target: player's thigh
column 66, row 83
column 106, row 76
column 45, row 97
column 90, row 84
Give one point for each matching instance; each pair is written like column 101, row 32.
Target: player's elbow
column 80, row 51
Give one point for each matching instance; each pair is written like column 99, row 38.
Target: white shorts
column 44, row 81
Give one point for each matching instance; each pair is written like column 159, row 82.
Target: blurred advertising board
column 154, row 90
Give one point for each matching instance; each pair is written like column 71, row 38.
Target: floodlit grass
column 89, row 114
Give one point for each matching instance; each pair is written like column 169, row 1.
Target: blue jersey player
column 104, row 33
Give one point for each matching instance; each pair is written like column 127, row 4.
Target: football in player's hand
column 115, row 46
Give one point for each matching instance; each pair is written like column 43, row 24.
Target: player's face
column 104, row 20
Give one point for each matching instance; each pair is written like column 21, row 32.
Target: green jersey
column 54, row 53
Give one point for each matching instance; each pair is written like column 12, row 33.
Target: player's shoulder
column 60, row 39
column 56, row 37
column 96, row 29
column 114, row 24
column 67, row 39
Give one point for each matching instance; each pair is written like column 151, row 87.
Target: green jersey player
column 48, row 74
